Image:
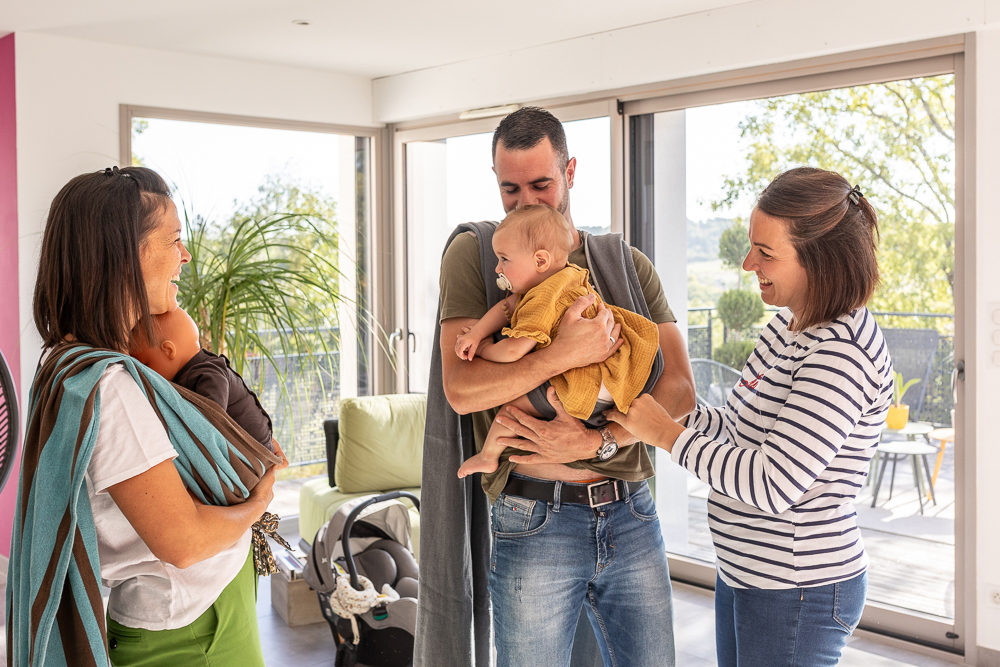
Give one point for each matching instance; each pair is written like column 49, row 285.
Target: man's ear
column 570, row 172
column 543, row 260
column 169, row 349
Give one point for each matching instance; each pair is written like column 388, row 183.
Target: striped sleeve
column 831, row 389
column 708, row 421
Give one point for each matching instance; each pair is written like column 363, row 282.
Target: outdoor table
column 911, row 431
column 896, row 449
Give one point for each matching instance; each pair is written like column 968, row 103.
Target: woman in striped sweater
column 788, row 454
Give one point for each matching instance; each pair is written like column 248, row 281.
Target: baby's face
column 516, row 262
column 178, row 343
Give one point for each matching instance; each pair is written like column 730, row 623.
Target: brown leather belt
column 596, row 494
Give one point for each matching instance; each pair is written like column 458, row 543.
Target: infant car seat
column 362, row 567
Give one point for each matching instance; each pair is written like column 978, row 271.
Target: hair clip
column 855, row 195
column 115, row 171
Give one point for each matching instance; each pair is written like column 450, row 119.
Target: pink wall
column 9, row 309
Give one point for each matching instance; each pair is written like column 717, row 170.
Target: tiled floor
column 694, row 624
column 694, row 631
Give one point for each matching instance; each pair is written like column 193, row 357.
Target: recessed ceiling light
column 300, row 22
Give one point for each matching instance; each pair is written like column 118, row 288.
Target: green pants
column 224, row 635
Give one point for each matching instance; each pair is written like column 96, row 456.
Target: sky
column 214, row 168
column 714, row 151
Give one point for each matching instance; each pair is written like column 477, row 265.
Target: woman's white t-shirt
column 146, row 592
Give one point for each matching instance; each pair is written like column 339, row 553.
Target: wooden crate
column 294, row 600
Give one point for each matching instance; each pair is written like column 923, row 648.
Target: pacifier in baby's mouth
column 504, row 284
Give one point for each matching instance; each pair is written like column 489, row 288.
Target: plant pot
column 897, row 416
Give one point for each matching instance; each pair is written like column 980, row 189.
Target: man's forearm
column 480, row 385
column 471, row 386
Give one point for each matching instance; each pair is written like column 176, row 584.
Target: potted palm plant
column 264, row 290
column 899, row 412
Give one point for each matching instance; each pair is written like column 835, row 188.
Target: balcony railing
column 312, row 395
column 706, row 332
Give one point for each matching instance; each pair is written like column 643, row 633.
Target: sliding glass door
column 695, row 171
column 446, row 179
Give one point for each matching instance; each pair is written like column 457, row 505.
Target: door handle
column 412, row 337
column 394, row 337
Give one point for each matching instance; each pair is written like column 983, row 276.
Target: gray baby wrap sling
column 453, row 618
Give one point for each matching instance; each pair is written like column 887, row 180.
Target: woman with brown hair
column 124, row 480
column 790, row 450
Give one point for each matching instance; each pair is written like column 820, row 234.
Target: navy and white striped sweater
column 788, row 454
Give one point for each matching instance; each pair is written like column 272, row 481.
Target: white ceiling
column 375, row 38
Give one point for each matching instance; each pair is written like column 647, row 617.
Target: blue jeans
column 550, row 558
column 791, row 627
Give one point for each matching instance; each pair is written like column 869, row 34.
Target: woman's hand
column 263, row 492
column 281, row 454
column 649, row 422
column 562, row 440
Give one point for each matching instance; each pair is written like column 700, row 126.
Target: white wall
column 758, row 33
column 744, row 35
column 68, row 96
column 988, row 300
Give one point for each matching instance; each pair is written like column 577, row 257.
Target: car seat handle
column 345, row 536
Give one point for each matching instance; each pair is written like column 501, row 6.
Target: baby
column 532, row 245
column 179, row 358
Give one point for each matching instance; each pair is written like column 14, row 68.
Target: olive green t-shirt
column 463, row 294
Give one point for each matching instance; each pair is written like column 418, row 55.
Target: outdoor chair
column 713, row 382
column 912, row 352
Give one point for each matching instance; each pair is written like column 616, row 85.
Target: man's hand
column 582, row 341
column 480, row 384
column 562, row 440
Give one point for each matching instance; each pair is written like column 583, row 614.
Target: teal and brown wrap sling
column 55, row 615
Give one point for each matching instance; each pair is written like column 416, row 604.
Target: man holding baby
column 573, row 522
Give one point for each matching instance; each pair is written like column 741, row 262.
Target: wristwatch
column 609, row 446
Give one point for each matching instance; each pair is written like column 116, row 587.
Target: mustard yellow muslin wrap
column 537, row 316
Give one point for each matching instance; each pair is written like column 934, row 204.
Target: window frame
column 952, row 54
column 940, row 57
column 377, row 210
column 405, row 133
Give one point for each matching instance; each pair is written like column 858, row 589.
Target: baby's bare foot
column 478, row 463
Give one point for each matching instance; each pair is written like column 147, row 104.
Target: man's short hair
column 540, row 227
column 525, row 129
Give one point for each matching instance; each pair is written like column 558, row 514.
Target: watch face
column 608, row 450
column 609, row 446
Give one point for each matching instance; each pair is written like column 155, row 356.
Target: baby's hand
column 465, row 345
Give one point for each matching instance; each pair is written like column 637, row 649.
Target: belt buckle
column 597, row 486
